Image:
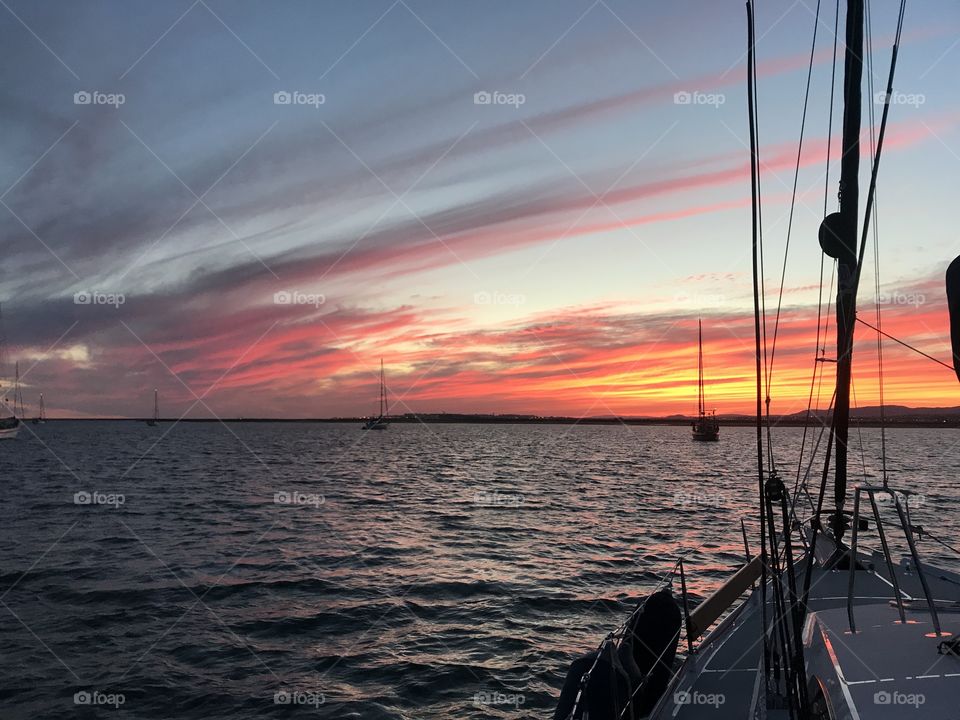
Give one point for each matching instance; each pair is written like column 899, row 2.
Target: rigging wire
column 833, row 88
column 826, row 325
column 804, row 485
column 793, row 198
column 755, row 108
column 863, row 455
column 938, row 540
column 908, row 345
column 818, row 350
column 876, row 251
column 871, row 111
column 755, row 241
column 871, row 194
column 813, row 455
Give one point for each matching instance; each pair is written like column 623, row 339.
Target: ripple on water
column 443, row 563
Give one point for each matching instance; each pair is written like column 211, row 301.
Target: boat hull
column 704, row 436
column 8, row 429
column 706, row 431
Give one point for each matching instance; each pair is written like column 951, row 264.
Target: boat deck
column 871, row 662
column 724, row 679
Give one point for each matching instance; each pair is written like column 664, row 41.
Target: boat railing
column 702, row 618
column 903, row 514
column 696, row 622
column 612, row 642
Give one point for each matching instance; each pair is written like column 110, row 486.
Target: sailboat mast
column 17, row 394
column 847, row 235
column 156, row 405
column 701, row 402
column 383, row 391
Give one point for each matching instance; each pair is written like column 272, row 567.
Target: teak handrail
column 707, row 612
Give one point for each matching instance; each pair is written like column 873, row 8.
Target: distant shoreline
column 465, row 419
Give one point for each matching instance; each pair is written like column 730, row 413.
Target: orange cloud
column 594, row 361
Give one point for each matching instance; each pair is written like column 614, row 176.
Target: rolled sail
column 953, row 302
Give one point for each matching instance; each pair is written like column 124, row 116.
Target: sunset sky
column 171, row 222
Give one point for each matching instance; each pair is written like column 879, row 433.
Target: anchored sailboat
column 155, row 420
column 380, row 422
column 825, row 632
column 9, row 422
column 41, row 413
column 706, row 426
column 10, row 425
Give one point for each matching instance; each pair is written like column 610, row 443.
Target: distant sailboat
column 379, row 422
column 706, row 426
column 9, row 422
column 41, row 415
column 10, row 425
column 155, row 420
column 17, row 393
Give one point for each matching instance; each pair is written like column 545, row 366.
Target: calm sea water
column 299, row 570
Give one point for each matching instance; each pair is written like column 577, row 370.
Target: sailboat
column 811, row 627
column 9, row 423
column 41, row 414
column 10, row 426
column 706, row 426
column 155, row 420
column 379, row 422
